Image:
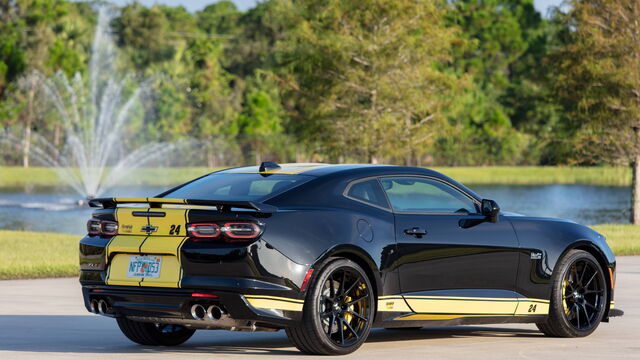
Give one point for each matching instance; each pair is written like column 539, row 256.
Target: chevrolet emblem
column 149, row 229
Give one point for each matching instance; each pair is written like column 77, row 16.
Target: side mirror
column 491, row 210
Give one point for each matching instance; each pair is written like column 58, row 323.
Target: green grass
column 15, row 177
column 30, row 255
column 623, row 239
column 539, row 175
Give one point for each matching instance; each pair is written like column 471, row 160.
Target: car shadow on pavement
column 92, row 334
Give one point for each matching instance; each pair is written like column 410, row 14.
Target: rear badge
column 149, row 229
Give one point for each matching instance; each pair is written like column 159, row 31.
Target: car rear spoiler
column 110, row 203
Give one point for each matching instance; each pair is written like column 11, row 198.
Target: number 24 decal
column 174, row 230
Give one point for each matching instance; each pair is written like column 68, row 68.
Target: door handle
column 416, row 231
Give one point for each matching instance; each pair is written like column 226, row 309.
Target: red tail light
column 203, row 230
column 102, row 227
column 239, row 231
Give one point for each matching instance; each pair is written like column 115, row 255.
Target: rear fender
column 357, row 255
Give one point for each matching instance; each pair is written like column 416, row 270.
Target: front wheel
column 154, row 334
column 338, row 311
column 578, row 297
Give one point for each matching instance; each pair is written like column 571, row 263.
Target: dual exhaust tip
column 100, row 306
column 198, row 312
column 213, row 312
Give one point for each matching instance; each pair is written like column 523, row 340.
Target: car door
column 451, row 261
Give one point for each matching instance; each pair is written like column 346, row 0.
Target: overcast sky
column 193, row 5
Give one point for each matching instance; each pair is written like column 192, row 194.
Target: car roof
column 345, row 171
column 322, row 169
column 311, row 169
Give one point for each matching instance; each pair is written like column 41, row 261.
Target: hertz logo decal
column 390, row 305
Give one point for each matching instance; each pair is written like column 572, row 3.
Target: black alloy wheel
column 579, row 297
column 583, row 294
column 345, row 306
column 338, row 312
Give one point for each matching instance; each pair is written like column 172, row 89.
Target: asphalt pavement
column 45, row 319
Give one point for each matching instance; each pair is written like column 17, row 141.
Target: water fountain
column 94, row 115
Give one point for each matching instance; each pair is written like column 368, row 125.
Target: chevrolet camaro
column 328, row 252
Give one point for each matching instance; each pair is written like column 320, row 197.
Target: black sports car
column 328, row 252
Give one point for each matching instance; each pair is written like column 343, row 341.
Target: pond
column 57, row 210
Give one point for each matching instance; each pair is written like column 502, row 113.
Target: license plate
column 144, row 266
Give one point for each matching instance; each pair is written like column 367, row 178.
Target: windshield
column 238, row 187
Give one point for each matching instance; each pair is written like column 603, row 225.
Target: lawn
column 27, row 255
column 526, row 175
column 13, row 177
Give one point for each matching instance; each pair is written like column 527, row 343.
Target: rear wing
column 110, row 203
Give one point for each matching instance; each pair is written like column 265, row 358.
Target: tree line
column 457, row 82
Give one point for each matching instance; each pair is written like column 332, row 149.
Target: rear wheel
column 338, row 311
column 578, row 297
column 154, row 334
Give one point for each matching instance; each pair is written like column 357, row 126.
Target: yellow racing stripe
column 445, row 308
column 274, row 302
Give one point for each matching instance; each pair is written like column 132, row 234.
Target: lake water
column 58, row 211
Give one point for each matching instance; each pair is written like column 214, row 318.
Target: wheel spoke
column 590, row 280
column 584, row 308
column 351, row 329
column 591, row 306
column 584, row 270
column 593, row 292
column 358, row 315
column 577, row 311
column 341, row 288
column 352, row 285
column 341, row 326
column 574, row 276
column 333, row 319
column 568, row 296
column 358, row 300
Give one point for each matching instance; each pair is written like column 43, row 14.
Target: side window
column 417, row 194
column 368, row 191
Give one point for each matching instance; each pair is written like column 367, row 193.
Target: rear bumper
column 168, row 305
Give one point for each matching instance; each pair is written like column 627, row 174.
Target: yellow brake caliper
column 564, row 301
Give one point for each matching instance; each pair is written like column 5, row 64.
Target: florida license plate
column 144, row 266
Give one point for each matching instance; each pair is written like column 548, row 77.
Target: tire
column 578, row 296
column 338, row 312
column 154, row 334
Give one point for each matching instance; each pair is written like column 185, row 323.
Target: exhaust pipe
column 214, row 313
column 103, row 307
column 93, row 306
column 198, row 312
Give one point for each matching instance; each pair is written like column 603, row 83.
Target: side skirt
column 457, row 320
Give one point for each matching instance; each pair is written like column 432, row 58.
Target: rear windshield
column 239, row 187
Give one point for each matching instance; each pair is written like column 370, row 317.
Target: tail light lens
column 93, row 227
column 102, row 227
column 109, row 227
column 241, row 231
column 203, row 230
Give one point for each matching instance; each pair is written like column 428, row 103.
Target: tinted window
column 416, row 194
column 368, row 191
column 247, row 187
